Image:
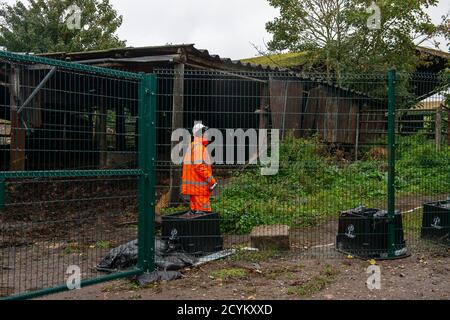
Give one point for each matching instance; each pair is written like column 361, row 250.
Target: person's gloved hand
column 213, row 187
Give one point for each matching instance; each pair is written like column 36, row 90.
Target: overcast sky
column 224, row 27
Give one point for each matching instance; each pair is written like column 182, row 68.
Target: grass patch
column 229, row 274
column 316, row 284
column 73, row 248
column 312, row 185
column 102, row 245
column 255, row 256
column 121, row 287
column 283, row 60
column 173, row 210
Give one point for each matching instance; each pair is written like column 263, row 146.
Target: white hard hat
column 198, row 129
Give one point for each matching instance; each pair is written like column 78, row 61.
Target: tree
column 48, row 26
column 337, row 38
column 315, row 26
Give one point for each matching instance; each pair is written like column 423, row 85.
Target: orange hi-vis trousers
column 200, row 203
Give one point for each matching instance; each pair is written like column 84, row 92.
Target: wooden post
column 17, row 147
column 264, row 108
column 438, row 128
column 263, row 112
column 177, row 122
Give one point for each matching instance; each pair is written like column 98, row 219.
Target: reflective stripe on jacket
column 197, row 170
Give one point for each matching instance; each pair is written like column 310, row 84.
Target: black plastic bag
column 126, row 256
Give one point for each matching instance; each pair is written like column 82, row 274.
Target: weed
column 316, row 284
column 72, row 248
column 102, row 245
column 229, row 274
column 255, row 256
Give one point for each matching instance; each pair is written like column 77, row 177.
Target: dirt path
column 423, row 276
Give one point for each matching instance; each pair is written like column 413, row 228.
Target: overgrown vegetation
column 284, row 60
column 313, row 184
column 316, row 284
column 49, row 26
column 338, row 39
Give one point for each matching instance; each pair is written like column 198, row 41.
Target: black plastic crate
column 198, row 235
column 363, row 232
column 436, row 220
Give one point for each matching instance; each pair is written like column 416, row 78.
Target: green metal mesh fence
column 336, row 179
column 363, row 166
column 69, row 169
column 423, row 167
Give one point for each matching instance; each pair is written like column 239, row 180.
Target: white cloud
column 224, row 27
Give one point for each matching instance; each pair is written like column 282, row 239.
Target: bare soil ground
column 37, row 258
column 421, row 276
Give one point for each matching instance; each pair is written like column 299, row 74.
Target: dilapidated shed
column 185, row 71
column 192, row 85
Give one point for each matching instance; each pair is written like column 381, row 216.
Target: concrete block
column 274, row 237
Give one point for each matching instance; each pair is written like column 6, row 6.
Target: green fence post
column 2, row 194
column 147, row 158
column 391, row 150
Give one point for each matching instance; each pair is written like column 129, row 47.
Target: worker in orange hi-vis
column 198, row 181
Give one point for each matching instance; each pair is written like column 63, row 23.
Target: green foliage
column 102, row 245
column 311, row 186
column 337, row 39
column 229, row 274
column 284, row 60
column 72, row 248
column 421, row 168
column 41, row 26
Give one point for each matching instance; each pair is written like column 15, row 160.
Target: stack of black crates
column 363, row 233
column 197, row 235
column 436, row 221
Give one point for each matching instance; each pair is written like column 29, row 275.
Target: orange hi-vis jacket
column 197, row 176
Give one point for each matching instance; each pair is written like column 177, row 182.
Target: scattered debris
column 169, row 261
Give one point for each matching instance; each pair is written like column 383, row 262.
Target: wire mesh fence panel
column 69, row 170
column 423, row 167
column 320, row 192
column 248, row 164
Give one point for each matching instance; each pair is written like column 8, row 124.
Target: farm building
column 192, row 85
column 263, row 96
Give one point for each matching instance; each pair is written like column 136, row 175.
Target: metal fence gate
column 76, row 172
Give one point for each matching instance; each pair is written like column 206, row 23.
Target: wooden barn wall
column 330, row 115
column 61, row 118
column 219, row 101
column 286, row 104
column 373, row 122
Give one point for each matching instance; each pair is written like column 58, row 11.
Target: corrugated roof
column 190, row 53
column 191, row 56
column 429, row 105
column 434, row 52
